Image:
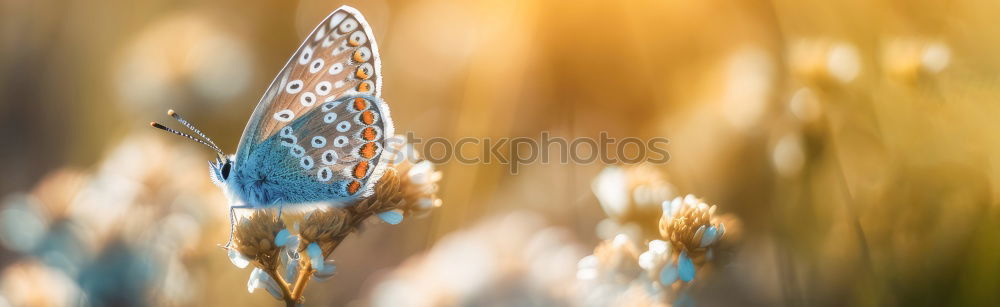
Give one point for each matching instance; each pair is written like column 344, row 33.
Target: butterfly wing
column 318, row 132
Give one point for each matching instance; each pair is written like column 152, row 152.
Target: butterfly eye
column 225, row 170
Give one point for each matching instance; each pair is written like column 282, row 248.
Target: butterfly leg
column 232, row 221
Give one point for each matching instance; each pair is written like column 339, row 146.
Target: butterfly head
column 220, row 170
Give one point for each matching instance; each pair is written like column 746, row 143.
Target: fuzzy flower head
column 254, row 240
column 613, row 261
column 693, row 231
column 690, row 224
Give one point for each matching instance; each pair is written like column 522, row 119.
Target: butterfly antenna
column 164, row 128
column 190, row 126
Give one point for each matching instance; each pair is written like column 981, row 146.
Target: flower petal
column 698, row 234
column 666, row 205
column 709, row 237
column 329, row 268
column 587, row 268
column 647, row 260
column 425, row 203
column 685, row 267
column 292, row 244
column 275, row 293
column 282, row 237
column 420, row 172
column 270, row 285
column 392, row 217
column 254, row 281
column 611, row 189
column 237, row 259
column 659, row 247
column 315, row 255
column 668, row 275
column 291, row 270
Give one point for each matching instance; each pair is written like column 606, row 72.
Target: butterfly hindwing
column 319, row 131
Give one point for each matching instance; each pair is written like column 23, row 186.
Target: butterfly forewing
column 339, row 57
column 321, row 123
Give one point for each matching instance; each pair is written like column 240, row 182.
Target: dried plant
column 690, row 233
column 285, row 258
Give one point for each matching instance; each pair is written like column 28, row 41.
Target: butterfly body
column 330, row 154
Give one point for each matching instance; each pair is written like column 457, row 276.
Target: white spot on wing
column 340, row 141
column 307, row 99
column 294, row 87
column 329, row 157
column 324, row 173
column 336, row 68
column 318, row 141
column 323, row 88
column 306, row 162
column 316, row 66
column 285, row 115
column 343, row 126
column 329, row 117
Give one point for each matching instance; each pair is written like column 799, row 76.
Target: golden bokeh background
column 855, row 140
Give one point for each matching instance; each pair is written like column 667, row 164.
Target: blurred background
column 855, row 140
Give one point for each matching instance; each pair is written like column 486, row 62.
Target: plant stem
column 300, row 282
column 293, row 293
column 283, row 286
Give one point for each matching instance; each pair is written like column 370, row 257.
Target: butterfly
column 320, row 131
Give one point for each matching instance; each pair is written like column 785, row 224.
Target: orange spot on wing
column 364, row 87
column 367, row 150
column 361, row 73
column 361, row 169
column 353, row 187
column 368, row 117
column 360, row 104
column 368, row 134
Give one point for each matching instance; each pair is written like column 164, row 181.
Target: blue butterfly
column 319, row 132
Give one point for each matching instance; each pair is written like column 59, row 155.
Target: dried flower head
column 690, row 224
column 286, row 259
column 614, row 260
column 326, row 228
column 254, row 238
column 692, row 230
